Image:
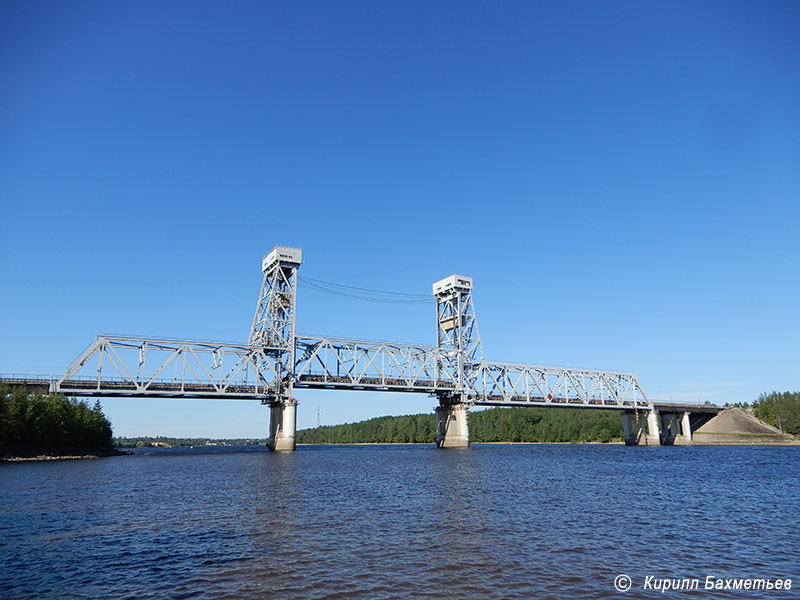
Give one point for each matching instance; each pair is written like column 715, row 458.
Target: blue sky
column 621, row 179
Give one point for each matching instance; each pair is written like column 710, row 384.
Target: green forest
column 491, row 425
column 781, row 410
column 39, row 424
column 522, row 424
column 52, row 425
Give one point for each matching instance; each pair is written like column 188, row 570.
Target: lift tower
column 460, row 345
column 275, row 361
column 272, row 341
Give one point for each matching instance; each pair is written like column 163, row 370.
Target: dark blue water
column 399, row 522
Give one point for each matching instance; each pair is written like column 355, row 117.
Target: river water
column 399, row 522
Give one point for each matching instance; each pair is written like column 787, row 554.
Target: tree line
column 492, row 425
column 781, row 410
column 53, row 425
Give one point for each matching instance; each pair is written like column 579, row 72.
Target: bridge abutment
column 282, row 424
column 452, row 426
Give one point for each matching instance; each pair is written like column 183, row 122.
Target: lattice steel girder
column 132, row 366
column 358, row 364
column 508, row 383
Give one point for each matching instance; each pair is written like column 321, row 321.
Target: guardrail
column 24, row 378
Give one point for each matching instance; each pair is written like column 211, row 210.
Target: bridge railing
column 24, row 378
column 686, row 406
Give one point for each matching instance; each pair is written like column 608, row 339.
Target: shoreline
column 125, row 452
column 49, row 457
column 614, row 443
column 471, row 443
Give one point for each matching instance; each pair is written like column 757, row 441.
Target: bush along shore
column 41, row 426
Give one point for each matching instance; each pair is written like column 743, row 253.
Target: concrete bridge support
column 664, row 428
column 676, row 428
column 686, row 428
column 670, row 428
column 632, row 428
column 282, row 424
column 452, row 426
column 653, row 437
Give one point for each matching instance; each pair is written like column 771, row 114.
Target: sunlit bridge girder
column 365, row 365
column 136, row 366
column 116, row 365
column 498, row 384
column 275, row 360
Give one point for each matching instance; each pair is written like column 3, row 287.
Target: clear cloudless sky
column 621, row 179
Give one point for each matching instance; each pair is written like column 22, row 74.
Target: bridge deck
column 169, row 389
column 33, row 383
column 691, row 407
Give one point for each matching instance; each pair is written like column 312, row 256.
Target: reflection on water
column 396, row 522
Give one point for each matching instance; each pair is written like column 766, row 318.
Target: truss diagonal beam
column 499, row 384
column 108, row 365
column 113, row 360
column 380, row 366
column 275, row 360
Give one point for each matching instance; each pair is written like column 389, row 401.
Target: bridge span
column 276, row 361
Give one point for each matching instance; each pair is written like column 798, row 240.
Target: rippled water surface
column 398, row 522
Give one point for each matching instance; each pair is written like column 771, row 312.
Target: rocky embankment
column 44, row 457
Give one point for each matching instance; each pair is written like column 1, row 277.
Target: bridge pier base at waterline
column 651, row 427
column 452, row 426
column 282, row 424
column 664, row 427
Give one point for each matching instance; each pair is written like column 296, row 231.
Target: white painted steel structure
column 275, row 360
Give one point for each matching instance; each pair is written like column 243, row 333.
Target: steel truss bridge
column 275, row 360
column 123, row 365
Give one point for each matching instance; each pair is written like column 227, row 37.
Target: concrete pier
column 670, row 425
column 653, row 428
column 282, row 424
column 452, row 426
column 632, row 430
column 665, row 427
column 686, row 428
